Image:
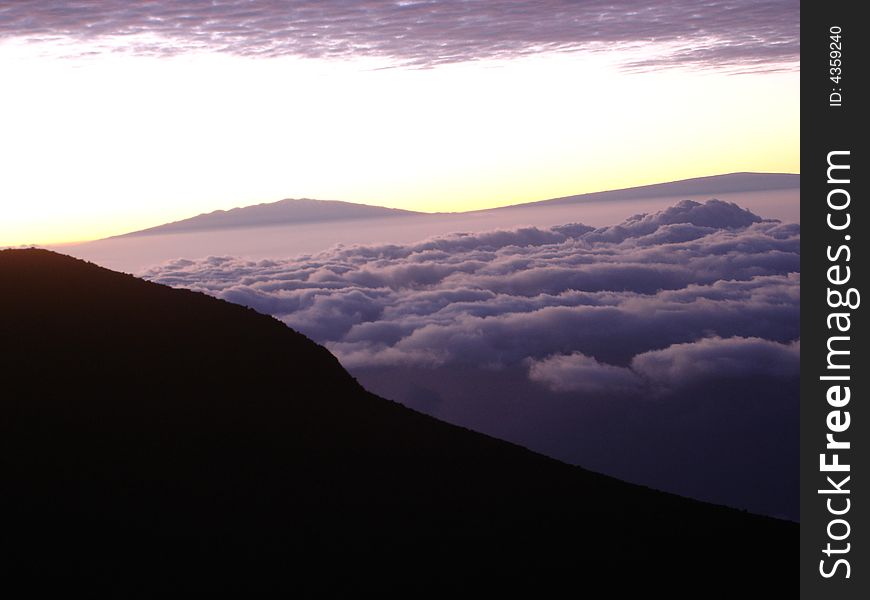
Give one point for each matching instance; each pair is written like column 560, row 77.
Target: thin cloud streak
column 742, row 34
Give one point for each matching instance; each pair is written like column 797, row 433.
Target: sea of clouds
column 651, row 335
column 694, row 287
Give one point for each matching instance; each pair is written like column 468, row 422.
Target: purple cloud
column 714, row 359
column 743, row 33
column 577, row 372
column 660, row 372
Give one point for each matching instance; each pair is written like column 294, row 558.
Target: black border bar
column 834, row 225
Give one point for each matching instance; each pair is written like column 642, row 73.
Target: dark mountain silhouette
column 155, row 439
column 283, row 212
column 697, row 187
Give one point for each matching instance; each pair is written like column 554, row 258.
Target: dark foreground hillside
column 154, row 439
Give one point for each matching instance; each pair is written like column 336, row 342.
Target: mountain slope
column 698, row 188
column 283, row 212
column 154, row 439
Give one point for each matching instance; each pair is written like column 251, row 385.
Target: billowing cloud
column 718, row 359
column 710, row 360
column 746, row 33
column 642, row 350
column 577, row 372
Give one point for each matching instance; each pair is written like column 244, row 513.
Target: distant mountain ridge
column 305, row 210
column 283, row 212
column 160, row 439
column 707, row 186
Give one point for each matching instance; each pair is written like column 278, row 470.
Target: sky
column 116, row 116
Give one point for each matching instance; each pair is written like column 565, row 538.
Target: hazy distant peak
column 696, row 188
column 284, row 212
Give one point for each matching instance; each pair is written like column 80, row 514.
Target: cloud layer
column 747, row 33
column 663, row 350
column 499, row 298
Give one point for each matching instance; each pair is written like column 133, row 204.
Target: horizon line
column 411, row 212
